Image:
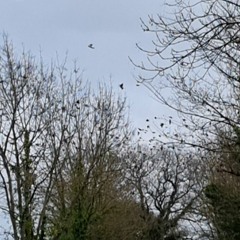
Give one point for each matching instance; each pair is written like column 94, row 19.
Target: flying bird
column 91, row 46
column 121, row 86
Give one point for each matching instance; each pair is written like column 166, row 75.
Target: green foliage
column 212, row 192
column 236, row 130
column 78, row 227
column 72, row 226
column 225, row 207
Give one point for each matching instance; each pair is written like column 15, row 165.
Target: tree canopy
column 192, row 66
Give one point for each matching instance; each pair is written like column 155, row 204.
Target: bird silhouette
column 121, row 86
column 91, row 46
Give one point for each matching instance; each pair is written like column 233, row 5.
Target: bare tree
column 193, row 67
column 89, row 183
column 52, row 127
column 28, row 112
column 166, row 184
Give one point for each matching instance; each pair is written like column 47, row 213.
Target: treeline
column 72, row 167
column 194, row 58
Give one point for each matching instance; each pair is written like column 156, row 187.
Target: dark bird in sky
column 91, row 46
column 121, row 86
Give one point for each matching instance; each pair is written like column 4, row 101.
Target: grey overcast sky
column 112, row 26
